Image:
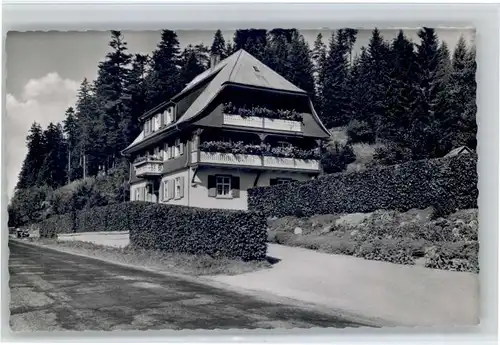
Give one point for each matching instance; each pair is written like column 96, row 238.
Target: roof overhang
column 151, row 139
column 268, row 89
column 155, row 110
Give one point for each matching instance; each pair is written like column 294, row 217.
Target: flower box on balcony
column 230, row 159
column 148, row 166
column 262, row 122
column 283, row 125
column 291, row 163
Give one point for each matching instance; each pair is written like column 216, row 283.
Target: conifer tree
column 351, row 40
column 92, row 139
column 254, row 41
column 459, row 127
column 336, row 104
column 401, row 91
column 164, row 78
column 318, row 56
column 33, row 162
column 53, row 170
column 110, row 91
column 71, row 131
column 427, row 115
column 378, row 76
column 193, row 62
column 219, row 45
column 134, row 98
column 300, row 67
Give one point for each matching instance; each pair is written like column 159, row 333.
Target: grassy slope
column 406, row 238
column 179, row 263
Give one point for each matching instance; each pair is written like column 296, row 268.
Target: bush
column 217, row 233
column 360, row 132
column 336, row 158
column 392, row 154
column 449, row 183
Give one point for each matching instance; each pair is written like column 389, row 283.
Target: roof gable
column 241, row 68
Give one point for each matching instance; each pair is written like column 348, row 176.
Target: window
column 223, row 185
column 165, row 152
column 137, row 194
column 169, row 115
column 165, row 190
column 157, row 152
column 177, row 148
column 156, row 122
column 280, row 181
column 177, row 187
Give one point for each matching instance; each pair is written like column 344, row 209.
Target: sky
column 45, row 69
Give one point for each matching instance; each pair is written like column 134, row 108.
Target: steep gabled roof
column 239, row 68
column 458, row 151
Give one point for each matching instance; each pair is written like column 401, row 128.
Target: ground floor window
column 280, row 181
column 223, row 185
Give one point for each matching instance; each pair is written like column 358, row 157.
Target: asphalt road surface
column 51, row 290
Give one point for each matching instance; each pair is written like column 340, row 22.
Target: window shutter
column 171, row 190
column 181, row 148
column 143, row 194
column 273, row 182
column 170, row 152
column 235, row 186
column 181, row 180
column 212, row 188
column 162, row 119
column 160, row 192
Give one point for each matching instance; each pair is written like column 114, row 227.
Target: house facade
column 236, row 126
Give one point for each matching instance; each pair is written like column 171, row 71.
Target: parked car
column 21, row 233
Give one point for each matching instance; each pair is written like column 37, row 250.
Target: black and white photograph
column 281, row 178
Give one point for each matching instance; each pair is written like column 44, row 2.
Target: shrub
column 50, row 227
column 336, row 158
column 217, row 233
column 392, row 154
column 360, row 132
column 448, row 182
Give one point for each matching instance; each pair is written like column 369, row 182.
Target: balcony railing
column 252, row 160
column 263, row 122
column 148, row 167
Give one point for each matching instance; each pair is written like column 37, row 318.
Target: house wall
column 199, row 194
column 142, row 197
column 183, row 176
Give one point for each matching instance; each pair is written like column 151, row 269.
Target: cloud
column 43, row 100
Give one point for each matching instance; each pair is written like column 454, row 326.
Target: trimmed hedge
column 218, row 233
column 446, row 184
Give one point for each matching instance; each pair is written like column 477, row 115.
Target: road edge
column 368, row 322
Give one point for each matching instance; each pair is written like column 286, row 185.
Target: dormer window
column 168, row 115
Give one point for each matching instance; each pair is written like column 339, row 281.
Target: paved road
column 51, row 290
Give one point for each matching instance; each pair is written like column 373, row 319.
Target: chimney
column 214, row 60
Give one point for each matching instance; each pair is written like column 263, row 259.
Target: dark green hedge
column 445, row 184
column 225, row 233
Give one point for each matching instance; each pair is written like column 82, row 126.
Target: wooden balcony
column 148, row 168
column 254, row 161
column 263, row 123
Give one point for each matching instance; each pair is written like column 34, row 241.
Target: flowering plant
column 239, row 147
column 259, row 111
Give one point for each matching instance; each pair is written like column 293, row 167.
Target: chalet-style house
column 235, row 126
